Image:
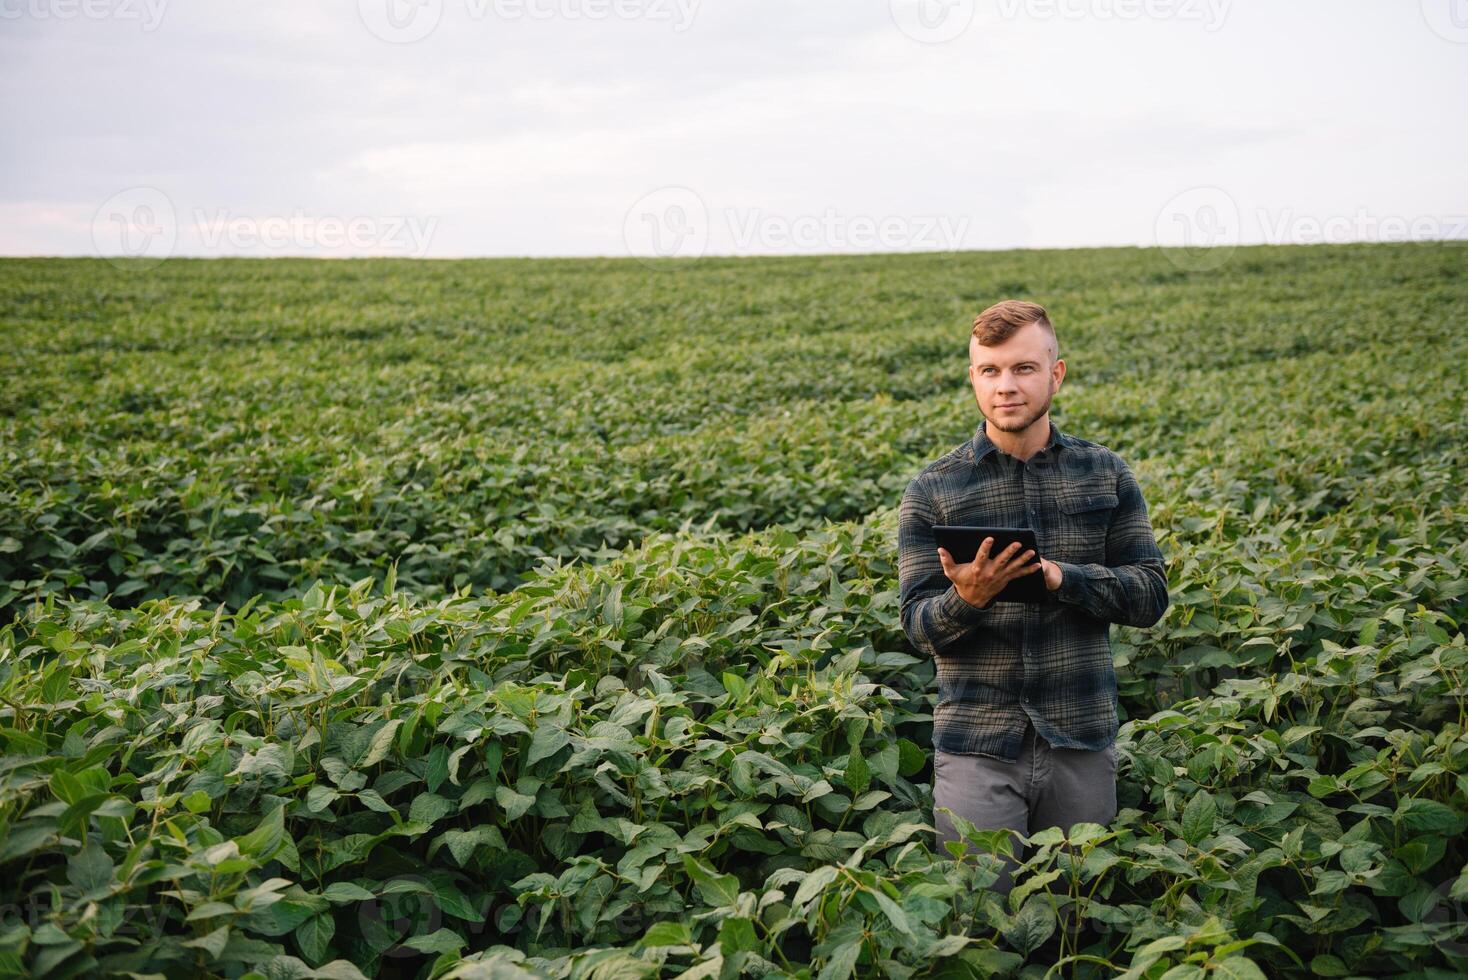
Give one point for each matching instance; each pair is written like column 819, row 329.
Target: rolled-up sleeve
column 934, row 615
column 1131, row 588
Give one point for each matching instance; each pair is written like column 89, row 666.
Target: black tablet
column 962, row 544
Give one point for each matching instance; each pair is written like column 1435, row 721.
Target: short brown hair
column 999, row 322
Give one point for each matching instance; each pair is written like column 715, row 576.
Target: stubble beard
column 1021, row 426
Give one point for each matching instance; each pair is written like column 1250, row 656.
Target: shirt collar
column 983, row 446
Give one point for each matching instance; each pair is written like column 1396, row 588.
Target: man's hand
column 1052, row 574
column 979, row 581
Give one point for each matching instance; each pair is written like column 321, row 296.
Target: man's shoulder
column 1086, row 447
column 1087, row 455
column 952, row 465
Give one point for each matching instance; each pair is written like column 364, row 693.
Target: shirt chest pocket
column 1085, row 517
column 1088, row 505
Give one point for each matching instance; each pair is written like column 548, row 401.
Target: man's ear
column 1058, row 372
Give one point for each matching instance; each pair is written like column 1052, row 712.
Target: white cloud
column 526, row 136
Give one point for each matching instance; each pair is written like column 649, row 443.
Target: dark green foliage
column 705, row 750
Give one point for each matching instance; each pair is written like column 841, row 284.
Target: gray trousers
column 1046, row 787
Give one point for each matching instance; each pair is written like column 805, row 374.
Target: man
column 1026, row 722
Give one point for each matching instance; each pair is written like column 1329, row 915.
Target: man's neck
column 1021, row 445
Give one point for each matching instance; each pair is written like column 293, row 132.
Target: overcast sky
column 686, row 127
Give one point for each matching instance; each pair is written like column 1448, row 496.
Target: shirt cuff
column 1072, row 583
column 958, row 608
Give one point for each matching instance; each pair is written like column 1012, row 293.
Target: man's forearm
column 1130, row 595
column 935, row 622
column 934, row 615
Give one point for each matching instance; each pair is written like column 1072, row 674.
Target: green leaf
column 717, row 890
column 841, row 961
column 441, row 941
column 1418, row 814
column 667, row 933
column 514, row 804
column 90, row 869
column 858, row 774
column 380, row 745
column 198, row 801
column 911, row 756
column 339, row 892
column 429, row 808
column 548, row 739
column 814, row 883
column 1198, row 816
column 319, row 797
column 735, row 685
column 1237, row 968
column 58, row 681
column 212, row 943
column 262, row 842
column 736, row 935
column 314, row 936
column 894, row 913
column 1032, row 925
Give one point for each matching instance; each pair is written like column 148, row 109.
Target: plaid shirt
column 1050, row 661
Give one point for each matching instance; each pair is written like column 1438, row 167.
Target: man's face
column 1014, row 381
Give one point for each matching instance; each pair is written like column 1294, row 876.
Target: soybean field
column 539, row 618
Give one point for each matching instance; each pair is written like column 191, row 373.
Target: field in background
column 543, row 612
